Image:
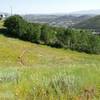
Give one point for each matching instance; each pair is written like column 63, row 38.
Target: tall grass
column 58, row 83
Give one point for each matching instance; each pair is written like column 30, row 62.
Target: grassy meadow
column 36, row 72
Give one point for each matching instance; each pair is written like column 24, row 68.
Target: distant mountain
column 57, row 20
column 92, row 23
column 39, row 18
column 87, row 12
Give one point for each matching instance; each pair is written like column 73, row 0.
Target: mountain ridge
column 92, row 23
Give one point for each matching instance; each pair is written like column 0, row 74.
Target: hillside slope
column 14, row 52
column 28, row 66
column 92, row 23
column 30, row 72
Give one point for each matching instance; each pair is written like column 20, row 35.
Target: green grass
column 45, row 73
column 1, row 23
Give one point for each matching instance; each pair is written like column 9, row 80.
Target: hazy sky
column 47, row 6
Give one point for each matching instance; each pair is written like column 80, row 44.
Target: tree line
column 74, row 39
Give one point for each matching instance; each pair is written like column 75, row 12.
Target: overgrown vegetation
column 80, row 40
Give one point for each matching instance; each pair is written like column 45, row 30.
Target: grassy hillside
column 35, row 72
column 33, row 54
column 92, row 23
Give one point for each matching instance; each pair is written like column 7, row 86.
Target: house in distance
column 3, row 16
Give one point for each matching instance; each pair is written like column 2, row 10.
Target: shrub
column 15, row 25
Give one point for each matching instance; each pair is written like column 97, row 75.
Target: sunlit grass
column 46, row 73
column 11, row 49
column 46, row 82
column 1, row 23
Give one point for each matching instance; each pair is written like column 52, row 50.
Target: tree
column 15, row 25
column 36, row 32
column 94, row 44
column 48, row 34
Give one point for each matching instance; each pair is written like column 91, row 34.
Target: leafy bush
column 15, row 25
column 48, row 35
